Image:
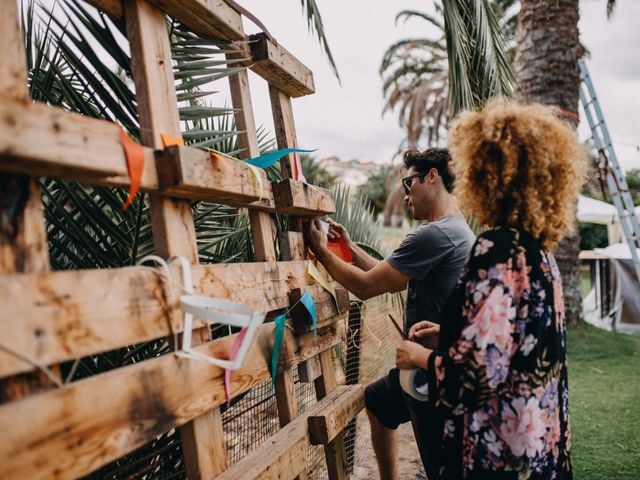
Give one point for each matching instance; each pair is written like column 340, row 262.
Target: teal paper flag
column 307, row 301
column 278, row 337
column 268, row 159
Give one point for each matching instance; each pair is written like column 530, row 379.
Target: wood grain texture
column 65, row 438
column 329, row 423
column 292, row 197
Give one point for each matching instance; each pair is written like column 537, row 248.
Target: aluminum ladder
column 609, row 166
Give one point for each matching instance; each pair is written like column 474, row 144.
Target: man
column 429, row 260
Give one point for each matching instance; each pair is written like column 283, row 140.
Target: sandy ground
column 409, row 461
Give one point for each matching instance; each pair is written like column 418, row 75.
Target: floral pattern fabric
column 499, row 377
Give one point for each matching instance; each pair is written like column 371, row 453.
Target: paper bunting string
column 340, row 248
column 309, row 304
column 278, row 337
column 313, row 271
column 134, row 154
column 278, row 334
column 298, row 175
column 268, row 159
column 234, row 352
column 170, row 140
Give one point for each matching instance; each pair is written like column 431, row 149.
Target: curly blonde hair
column 518, row 165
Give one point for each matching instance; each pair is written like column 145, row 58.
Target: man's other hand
column 316, row 238
column 411, row 355
column 425, row 333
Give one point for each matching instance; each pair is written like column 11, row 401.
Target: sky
column 345, row 119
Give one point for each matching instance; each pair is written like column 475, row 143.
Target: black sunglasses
column 408, row 180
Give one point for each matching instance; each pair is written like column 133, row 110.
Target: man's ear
column 433, row 175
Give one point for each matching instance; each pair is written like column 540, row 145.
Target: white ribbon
column 211, row 310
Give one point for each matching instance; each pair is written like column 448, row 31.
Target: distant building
column 351, row 171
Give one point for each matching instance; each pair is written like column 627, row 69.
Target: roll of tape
column 407, row 384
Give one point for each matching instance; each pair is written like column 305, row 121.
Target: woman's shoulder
column 498, row 244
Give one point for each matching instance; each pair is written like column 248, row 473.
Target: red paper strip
column 339, row 248
column 134, row 154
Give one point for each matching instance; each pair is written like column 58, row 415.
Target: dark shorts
column 392, row 407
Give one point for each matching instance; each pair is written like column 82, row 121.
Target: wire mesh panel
column 160, row 459
column 251, row 419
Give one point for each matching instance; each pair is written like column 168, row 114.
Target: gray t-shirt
column 433, row 256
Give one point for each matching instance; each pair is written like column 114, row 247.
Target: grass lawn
column 604, row 403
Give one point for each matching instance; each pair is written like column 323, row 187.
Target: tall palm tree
column 546, row 66
column 416, row 74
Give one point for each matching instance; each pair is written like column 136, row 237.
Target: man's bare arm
column 382, row 278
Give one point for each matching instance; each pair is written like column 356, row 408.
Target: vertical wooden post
column 291, row 246
column 334, row 451
column 23, row 239
column 261, row 228
column 172, row 221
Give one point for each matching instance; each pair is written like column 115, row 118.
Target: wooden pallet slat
column 64, row 437
column 64, row 315
column 326, row 425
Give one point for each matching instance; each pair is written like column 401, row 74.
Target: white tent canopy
column 591, row 210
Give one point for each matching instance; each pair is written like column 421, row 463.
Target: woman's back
column 502, row 387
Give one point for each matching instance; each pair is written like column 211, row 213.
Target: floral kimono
column 500, row 376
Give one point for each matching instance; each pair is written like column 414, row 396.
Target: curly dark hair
column 438, row 158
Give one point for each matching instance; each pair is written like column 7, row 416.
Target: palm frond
column 407, row 14
column 314, row 23
column 479, row 67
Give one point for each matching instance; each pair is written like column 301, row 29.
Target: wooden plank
column 76, row 147
column 216, row 20
column 194, row 173
column 284, row 456
column 332, row 420
column 281, row 69
column 335, row 450
column 309, row 370
column 68, row 145
column 172, row 221
column 13, row 64
column 261, row 227
column 72, row 431
column 292, row 245
column 23, row 240
column 286, row 397
column 70, row 314
column 113, row 8
column 213, row 19
column 298, row 198
column 285, row 129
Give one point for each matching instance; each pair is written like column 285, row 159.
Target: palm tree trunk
column 547, row 52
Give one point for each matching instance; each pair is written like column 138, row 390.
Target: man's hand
column 316, row 238
column 411, row 355
column 425, row 333
column 337, row 230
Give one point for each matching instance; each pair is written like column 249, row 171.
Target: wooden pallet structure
column 55, row 317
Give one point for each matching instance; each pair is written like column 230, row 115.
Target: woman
column 499, row 375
